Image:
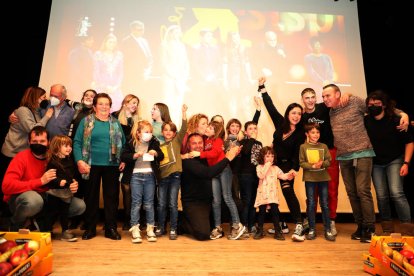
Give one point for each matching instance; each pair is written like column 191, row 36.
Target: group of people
column 58, row 153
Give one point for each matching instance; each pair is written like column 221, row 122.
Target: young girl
column 314, row 158
column 160, row 114
column 143, row 150
column 59, row 157
column 267, row 192
column 171, row 169
column 214, row 153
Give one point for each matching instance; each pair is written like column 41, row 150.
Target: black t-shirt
column 321, row 116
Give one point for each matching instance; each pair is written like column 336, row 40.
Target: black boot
column 126, row 198
column 367, row 233
column 357, row 234
column 259, row 233
column 278, row 234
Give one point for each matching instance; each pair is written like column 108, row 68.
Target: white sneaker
column 283, row 226
column 333, row 228
column 298, row 233
column 135, row 234
column 151, row 237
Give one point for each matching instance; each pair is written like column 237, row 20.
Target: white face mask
column 88, row 103
column 146, row 137
column 54, row 101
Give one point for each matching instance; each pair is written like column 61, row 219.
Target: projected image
column 209, row 58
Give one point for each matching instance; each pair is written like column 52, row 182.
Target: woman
column 287, row 138
column 97, row 149
column 28, row 116
column 196, row 124
column 393, row 152
column 127, row 115
column 82, row 109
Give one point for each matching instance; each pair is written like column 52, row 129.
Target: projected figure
column 81, row 64
column 108, row 70
column 176, row 68
column 138, row 59
column 319, row 67
column 207, row 60
column 271, row 61
column 237, row 72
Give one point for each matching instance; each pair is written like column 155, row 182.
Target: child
column 267, row 194
column 160, row 114
column 247, row 173
column 314, row 158
column 59, row 157
column 214, row 153
column 170, row 168
column 144, row 151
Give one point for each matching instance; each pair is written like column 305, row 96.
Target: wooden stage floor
column 185, row 256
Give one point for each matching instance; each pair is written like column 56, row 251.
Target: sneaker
column 329, row 236
column 68, row 236
column 367, row 234
column 159, row 232
column 246, row 235
column 311, row 234
column 283, row 226
column 252, row 230
column 298, row 233
column 216, row 233
column 135, row 234
column 333, row 228
column 305, row 225
column 357, row 234
column 173, row 235
column 151, row 237
column 236, row 231
column 279, row 236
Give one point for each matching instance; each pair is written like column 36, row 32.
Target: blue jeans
column 323, row 201
column 142, row 193
column 222, row 187
column 168, row 196
column 356, row 174
column 30, row 204
column 389, row 184
column 248, row 190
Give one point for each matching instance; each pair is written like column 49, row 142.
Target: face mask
column 38, row 149
column 146, row 137
column 44, row 104
column 374, row 110
column 54, row 101
column 88, row 103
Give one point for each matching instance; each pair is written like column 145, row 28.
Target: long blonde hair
column 136, row 129
column 122, row 118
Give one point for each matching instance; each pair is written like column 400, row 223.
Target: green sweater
column 310, row 154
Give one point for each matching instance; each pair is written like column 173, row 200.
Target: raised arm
column 276, row 117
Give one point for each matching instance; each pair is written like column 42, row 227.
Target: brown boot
column 387, row 227
column 407, row 229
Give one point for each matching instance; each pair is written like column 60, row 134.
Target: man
column 138, row 59
column 62, row 117
column 196, row 188
column 354, row 153
column 23, row 184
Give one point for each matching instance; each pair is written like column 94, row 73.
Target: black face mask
column 44, row 104
column 374, row 110
column 38, row 149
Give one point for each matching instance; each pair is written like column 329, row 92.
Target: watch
column 406, row 163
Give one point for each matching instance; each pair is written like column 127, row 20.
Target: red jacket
column 213, row 150
column 23, row 174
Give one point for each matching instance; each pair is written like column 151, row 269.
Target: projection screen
column 206, row 54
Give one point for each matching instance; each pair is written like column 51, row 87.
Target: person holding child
column 314, row 158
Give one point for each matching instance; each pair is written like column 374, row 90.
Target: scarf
column 115, row 136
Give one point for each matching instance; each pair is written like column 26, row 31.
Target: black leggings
column 291, row 200
column 274, row 212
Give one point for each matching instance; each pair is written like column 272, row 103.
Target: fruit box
column 40, row 262
column 382, row 260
